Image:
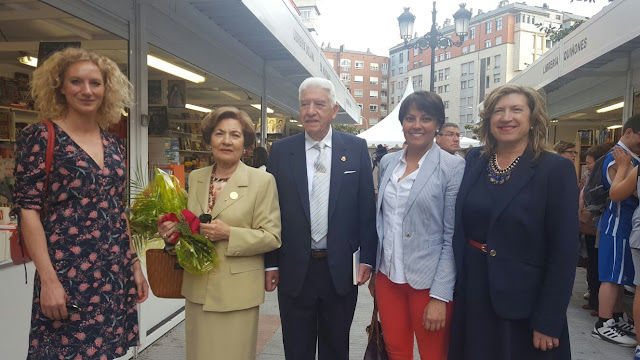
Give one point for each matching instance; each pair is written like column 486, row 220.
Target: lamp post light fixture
column 434, row 39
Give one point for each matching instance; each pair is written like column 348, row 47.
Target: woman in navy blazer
column 515, row 239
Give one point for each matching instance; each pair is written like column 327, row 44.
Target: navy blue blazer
column 351, row 211
column 534, row 233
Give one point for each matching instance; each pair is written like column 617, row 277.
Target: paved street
column 584, row 347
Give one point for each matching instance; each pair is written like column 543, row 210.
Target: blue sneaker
column 637, row 356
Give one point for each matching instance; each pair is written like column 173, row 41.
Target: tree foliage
column 346, row 128
column 556, row 34
column 473, row 128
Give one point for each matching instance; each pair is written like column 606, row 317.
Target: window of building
column 441, row 57
column 373, row 80
column 373, row 108
column 557, row 17
column 399, row 98
column 393, row 72
column 415, row 64
column 415, row 51
column 471, row 68
column 401, row 70
column 393, row 59
column 517, row 19
column 528, row 19
column 358, row 92
column 446, row 104
column 465, row 49
column 498, row 24
column 447, row 55
column 498, row 40
column 464, row 69
column 464, row 37
column 373, row 121
column 345, row 63
column 359, row 64
column 472, row 47
column 440, row 89
column 472, row 32
column 496, row 78
column 470, row 83
column 400, row 85
column 358, row 79
column 407, row 68
column 487, row 43
column 401, row 57
column 393, row 100
column 540, row 42
column 447, row 73
column 374, row 67
column 488, row 25
column 373, row 94
column 447, row 88
column 469, row 118
column 463, row 84
column 420, row 63
column 345, row 77
column 440, row 75
column 385, row 66
column 360, row 106
column 488, row 81
column 496, row 61
column 393, row 88
column 305, row 15
column 549, row 44
column 463, row 119
column 533, row 19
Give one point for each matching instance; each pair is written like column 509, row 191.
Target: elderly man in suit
column 328, row 211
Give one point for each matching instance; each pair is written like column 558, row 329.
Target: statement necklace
column 216, row 179
column 500, row 176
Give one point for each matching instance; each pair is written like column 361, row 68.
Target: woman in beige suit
column 222, row 305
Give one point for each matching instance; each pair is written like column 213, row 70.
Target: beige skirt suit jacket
column 222, row 305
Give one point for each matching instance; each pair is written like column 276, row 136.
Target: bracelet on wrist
column 134, row 260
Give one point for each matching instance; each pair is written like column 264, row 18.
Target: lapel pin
column 344, row 158
column 233, row 195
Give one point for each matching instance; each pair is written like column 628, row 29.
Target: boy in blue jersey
column 615, row 265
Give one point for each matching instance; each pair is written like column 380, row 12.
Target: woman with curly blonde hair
column 515, row 237
column 88, row 279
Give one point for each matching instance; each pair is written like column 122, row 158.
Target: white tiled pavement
column 583, row 345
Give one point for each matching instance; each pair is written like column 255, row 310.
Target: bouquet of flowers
column 165, row 197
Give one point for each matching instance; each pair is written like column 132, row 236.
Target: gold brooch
column 344, row 158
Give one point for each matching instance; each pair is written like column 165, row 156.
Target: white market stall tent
column 389, row 131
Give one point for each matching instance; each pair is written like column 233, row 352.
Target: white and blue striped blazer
column 429, row 219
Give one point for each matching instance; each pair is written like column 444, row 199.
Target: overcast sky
column 374, row 23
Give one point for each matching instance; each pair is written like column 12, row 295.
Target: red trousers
column 401, row 310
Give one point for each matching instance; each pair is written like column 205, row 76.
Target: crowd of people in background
column 473, row 256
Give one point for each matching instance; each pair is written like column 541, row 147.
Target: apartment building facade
column 500, row 44
column 366, row 76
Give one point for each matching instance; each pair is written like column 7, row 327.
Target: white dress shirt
column 394, row 204
column 312, row 154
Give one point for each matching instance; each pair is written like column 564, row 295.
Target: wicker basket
column 165, row 274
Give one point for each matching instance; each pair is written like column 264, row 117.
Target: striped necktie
column 320, row 195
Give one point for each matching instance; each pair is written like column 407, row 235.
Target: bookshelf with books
column 586, row 138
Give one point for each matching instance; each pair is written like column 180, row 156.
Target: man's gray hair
column 321, row 83
column 446, row 125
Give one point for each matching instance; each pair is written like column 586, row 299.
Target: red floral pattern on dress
column 88, row 245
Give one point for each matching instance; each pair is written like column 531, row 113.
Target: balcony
column 385, row 72
column 345, row 69
column 383, row 98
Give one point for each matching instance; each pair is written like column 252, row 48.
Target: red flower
column 192, row 220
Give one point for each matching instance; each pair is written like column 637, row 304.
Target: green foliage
column 346, row 128
column 558, row 33
column 474, row 128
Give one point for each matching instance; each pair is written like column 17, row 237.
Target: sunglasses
column 73, row 309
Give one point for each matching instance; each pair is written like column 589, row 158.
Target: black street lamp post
column 434, row 39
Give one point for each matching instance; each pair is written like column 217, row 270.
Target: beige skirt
column 220, row 335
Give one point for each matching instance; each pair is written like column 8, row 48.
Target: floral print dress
column 85, row 227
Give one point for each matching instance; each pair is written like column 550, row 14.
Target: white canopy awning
column 389, row 130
